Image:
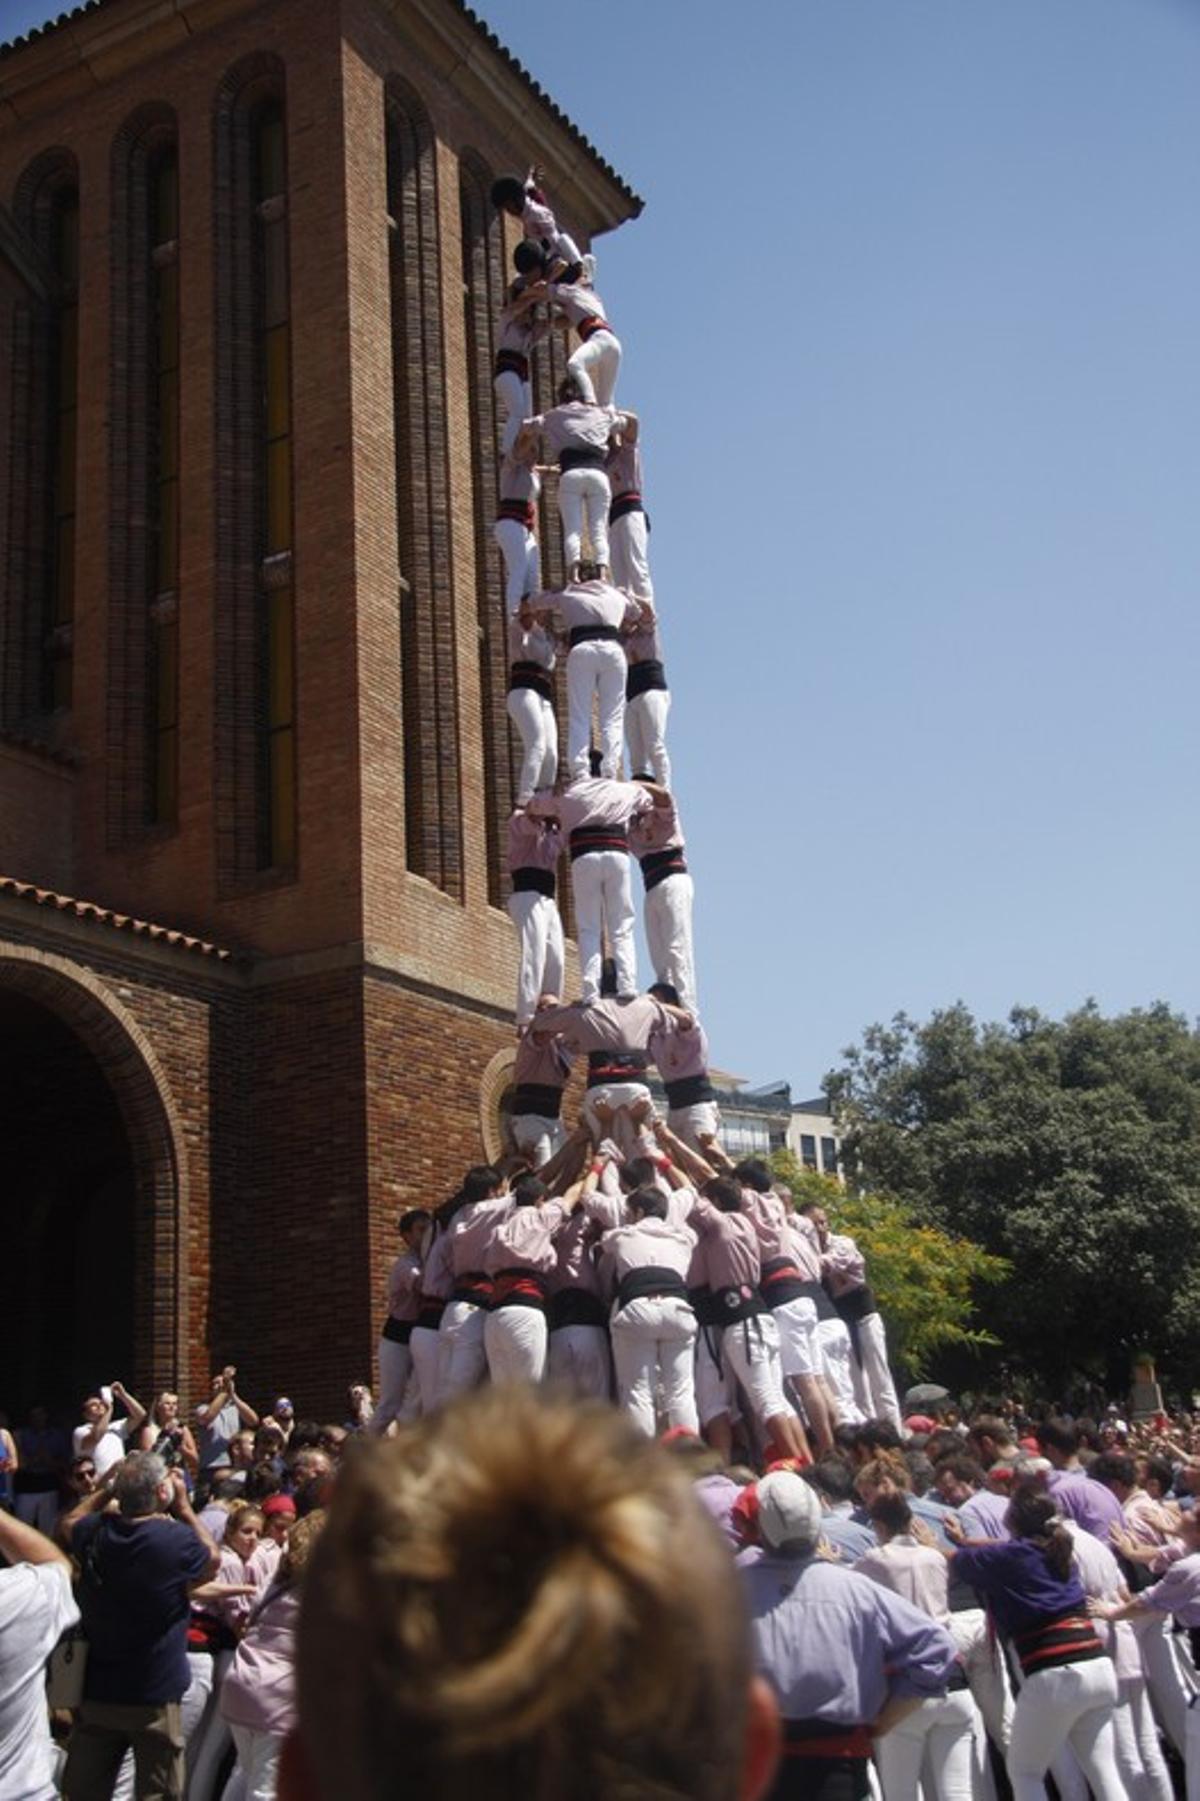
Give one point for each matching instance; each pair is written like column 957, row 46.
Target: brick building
column 252, row 668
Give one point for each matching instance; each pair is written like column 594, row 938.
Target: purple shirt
column 1177, row 1592
column 1089, row 1503
column 836, row 1647
column 983, row 1516
column 1016, row 1581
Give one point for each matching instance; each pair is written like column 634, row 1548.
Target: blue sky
column 912, row 319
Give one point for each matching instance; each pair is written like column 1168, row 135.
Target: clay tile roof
column 480, row 25
column 123, row 922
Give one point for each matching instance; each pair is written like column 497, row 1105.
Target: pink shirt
column 595, row 603
column 519, row 480
column 843, row 1263
column 657, row 829
column 643, row 643
column 803, row 1248
column 518, row 331
column 544, row 1065
column 768, row 1215
column 650, row 1244
column 607, row 1024
column 471, row 1233
column 731, row 1246
column 437, row 1277
column 259, row 1689
column 525, row 1240
column 575, row 1262
column 533, row 843
column 915, row 1572
column 625, row 469
column 538, row 221
column 680, row 1052
column 577, row 302
column 575, row 425
column 594, row 800
column 258, row 1569
column 404, row 1283
column 533, row 646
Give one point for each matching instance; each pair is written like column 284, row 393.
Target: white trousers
column 515, row 1340
column 579, row 1360
column 584, row 494
column 595, row 366
column 667, row 917
column 395, row 1368
column 646, row 734
column 461, row 1356
column 604, row 902
column 1071, row 1705
column 874, row 1389
column 716, row 1393
column 627, row 540
column 836, row 1357
column 751, row 1349
column 1168, row 1690
column 595, row 671
column 1140, row 1760
column 522, row 563
column 210, row 1736
column 799, row 1338
column 652, row 1345
column 937, row 1734
column 537, row 728
column 985, row 1669
column 688, row 1123
column 258, row 1755
column 630, row 1140
column 425, row 1346
column 515, row 403
column 537, row 1137
column 540, row 949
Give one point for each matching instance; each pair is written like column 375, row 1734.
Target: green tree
column 1071, row 1148
column 924, row 1278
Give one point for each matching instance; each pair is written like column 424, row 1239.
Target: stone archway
column 132, row 1166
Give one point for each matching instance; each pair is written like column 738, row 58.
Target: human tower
column 626, row 1251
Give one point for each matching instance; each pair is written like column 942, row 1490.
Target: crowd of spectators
column 956, row 1609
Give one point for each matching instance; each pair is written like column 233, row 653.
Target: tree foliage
column 1071, row 1148
column 924, row 1278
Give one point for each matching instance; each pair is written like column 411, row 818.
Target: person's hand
column 924, row 1534
column 954, row 1529
column 604, row 1112
column 642, row 1110
column 118, row 1389
column 179, row 1493
column 829, row 1552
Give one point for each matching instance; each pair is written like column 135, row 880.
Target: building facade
column 255, row 974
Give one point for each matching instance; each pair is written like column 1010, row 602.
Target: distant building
column 811, row 1137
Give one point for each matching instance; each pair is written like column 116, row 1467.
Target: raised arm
column 696, row 1168
column 133, row 1408
column 246, row 1413
column 20, row 1543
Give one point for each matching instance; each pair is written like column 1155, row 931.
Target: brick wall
column 36, row 817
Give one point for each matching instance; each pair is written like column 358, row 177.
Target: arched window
column 429, row 683
column 144, row 471
column 40, row 589
column 483, row 296
column 255, row 637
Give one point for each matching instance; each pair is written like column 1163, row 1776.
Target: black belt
column 646, row 677
column 648, row 1283
column 429, row 1313
column 815, row 1292
column 576, row 1307
column 781, row 1282
column 616, row 1066
column 657, row 865
column 587, row 328
column 587, row 838
column 738, row 1302
column 511, row 362
column 528, row 880
column 580, row 458
column 473, row 1286
column 521, row 511
column 623, row 504
column 396, row 1331
column 541, row 1098
column 704, row 1304
column 531, row 675
column 855, row 1304
column 594, row 634
column 689, row 1091
column 520, row 1288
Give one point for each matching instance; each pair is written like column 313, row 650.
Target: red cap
column 743, row 1515
column 279, row 1504
column 920, row 1422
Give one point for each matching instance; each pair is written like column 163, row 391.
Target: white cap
column 788, row 1510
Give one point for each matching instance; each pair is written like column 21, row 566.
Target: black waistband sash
column 738, row 1303
column 690, row 1091
column 782, row 1282
column 475, row 1287
column 536, row 1097
column 705, row 1305
column 397, row 1331
column 649, row 1283
column 520, row 1288
column 855, row 1304
column 511, row 362
column 576, row 1307
column 529, row 880
column 1071, row 1639
column 580, row 456
column 429, row 1313
column 623, row 504
column 588, row 838
column 646, row 677
column 616, row 1066
column 657, row 865
column 587, row 328
column 594, row 634
column 825, row 1740
column 520, row 511
column 531, row 675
